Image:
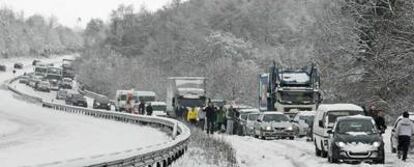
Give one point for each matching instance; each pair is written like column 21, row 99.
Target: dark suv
column 355, row 139
column 2, row 67
column 102, row 103
column 18, row 65
column 76, row 100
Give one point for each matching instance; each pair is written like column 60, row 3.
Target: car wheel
column 317, row 151
column 380, row 161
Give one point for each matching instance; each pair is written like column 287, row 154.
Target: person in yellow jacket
column 192, row 115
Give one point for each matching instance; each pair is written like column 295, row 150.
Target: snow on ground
column 55, row 135
column 30, row 134
column 252, row 152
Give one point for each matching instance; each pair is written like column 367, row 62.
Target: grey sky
column 68, row 11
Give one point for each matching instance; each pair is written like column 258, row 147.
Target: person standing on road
column 192, row 116
column 380, row 121
column 149, row 109
column 220, row 119
column 230, row 120
column 141, row 108
column 404, row 131
column 210, row 112
column 202, row 119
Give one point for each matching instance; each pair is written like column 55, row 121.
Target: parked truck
column 289, row 90
column 185, row 92
column 67, row 69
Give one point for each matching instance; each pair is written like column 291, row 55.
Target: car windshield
column 159, row 107
column 67, row 80
column 123, row 97
column 275, row 118
column 191, row 102
column 307, row 118
column 77, row 96
column 333, row 115
column 145, row 98
column 40, row 70
column 355, row 126
column 253, row 117
column 297, row 97
column 243, row 116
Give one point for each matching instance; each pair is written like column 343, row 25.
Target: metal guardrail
column 160, row 155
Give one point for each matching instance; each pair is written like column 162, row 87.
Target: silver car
column 249, row 126
column 273, row 125
column 302, row 122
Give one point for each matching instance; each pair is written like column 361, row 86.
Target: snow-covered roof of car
column 306, row 113
column 272, row 112
column 340, row 107
column 354, row 117
column 249, row 110
column 158, row 103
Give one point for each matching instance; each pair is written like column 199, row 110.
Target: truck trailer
column 185, row 92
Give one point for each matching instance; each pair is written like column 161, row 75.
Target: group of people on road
column 207, row 118
column 211, row 118
column 144, row 110
column 404, row 130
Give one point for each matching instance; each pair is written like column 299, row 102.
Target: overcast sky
column 68, row 11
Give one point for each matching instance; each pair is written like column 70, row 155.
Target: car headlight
column 268, row 128
column 98, row 104
column 251, row 128
column 340, row 144
column 289, row 128
column 376, row 144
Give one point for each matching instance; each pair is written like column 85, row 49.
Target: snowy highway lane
column 33, row 135
column 252, row 152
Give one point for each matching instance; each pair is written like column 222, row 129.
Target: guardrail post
column 174, row 132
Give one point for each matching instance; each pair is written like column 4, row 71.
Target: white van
column 324, row 120
column 121, row 98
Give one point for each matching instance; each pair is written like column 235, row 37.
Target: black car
column 2, row 67
column 76, row 100
column 18, row 65
column 355, row 139
column 102, row 103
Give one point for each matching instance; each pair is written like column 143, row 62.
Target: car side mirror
column 393, row 130
column 321, row 124
column 330, row 132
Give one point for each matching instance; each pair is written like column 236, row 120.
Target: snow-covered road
column 31, row 135
column 252, row 152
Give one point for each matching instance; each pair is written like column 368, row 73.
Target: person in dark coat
column 380, row 122
column 149, row 109
column 141, row 108
column 210, row 113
